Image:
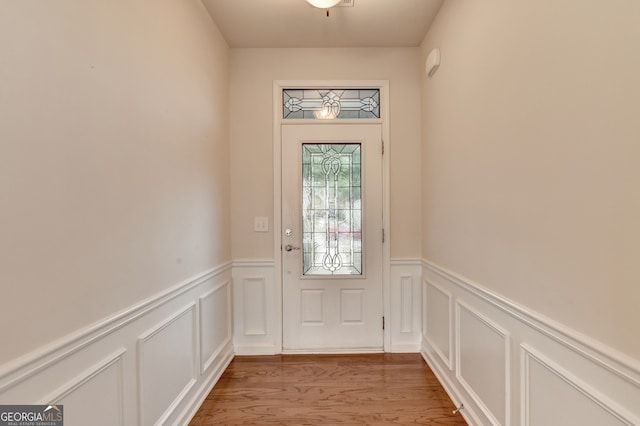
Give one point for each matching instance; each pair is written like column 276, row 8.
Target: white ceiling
column 294, row 23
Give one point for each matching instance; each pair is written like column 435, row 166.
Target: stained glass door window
column 331, row 209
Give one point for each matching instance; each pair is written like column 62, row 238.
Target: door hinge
column 383, row 323
column 383, row 235
column 382, row 147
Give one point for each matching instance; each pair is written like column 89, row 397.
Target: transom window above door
column 330, row 104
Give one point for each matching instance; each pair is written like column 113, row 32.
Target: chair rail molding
column 562, row 374
column 102, row 367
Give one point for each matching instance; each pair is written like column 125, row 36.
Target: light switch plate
column 261, row 224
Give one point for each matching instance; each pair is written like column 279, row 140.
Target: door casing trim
column 278, row 121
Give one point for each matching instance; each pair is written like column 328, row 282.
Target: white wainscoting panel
column 257, row 316
column 406, row 302
column 563, row 377
column 167, row 366
column 254, row 306
column 153, row 362
column 405, row 322
column 547, row 391
column 215, row 324
column 98, row 390
column 438, row 321
column 482, row 362
column 256, row 322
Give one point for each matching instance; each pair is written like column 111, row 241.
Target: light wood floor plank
column 372, row 389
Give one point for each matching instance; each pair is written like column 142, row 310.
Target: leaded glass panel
column 331, row 209
column 327, row 104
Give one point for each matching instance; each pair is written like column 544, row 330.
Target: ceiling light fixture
column 324, row 4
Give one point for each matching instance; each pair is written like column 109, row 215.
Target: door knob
column 289, row 247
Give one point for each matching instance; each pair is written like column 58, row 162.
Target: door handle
column 289, row 247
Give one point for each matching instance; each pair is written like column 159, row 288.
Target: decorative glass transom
column 328, row 104
column 331, row 209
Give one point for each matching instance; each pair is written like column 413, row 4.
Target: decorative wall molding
column 619, row 364
column 406, row 303
column 103, row 366
column 594, row 396
column 154, row 365
column 87, row 377
column 220, row 313
column 257, row 263
column 406, row 262
column 431, row 320
column 487, row 389
column 256, row 320
column 448, row 383
column 254, row 306
column 114, row 360
column 257, row 316
column 575, row 375
column 24, row 367
column 211, row 378
column 404, row 321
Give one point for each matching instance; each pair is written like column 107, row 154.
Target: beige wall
column 252, row 74
column 530, row 150
column 114, row 180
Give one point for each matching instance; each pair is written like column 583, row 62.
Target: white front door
column 332, row 237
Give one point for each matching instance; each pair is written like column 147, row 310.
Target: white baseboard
column 511, row 366
column 467, row 412
column 123, row 368
column 191, row 407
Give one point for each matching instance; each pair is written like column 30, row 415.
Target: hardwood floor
column 375, row 389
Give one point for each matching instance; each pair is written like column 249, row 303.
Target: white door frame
column 278, row 121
